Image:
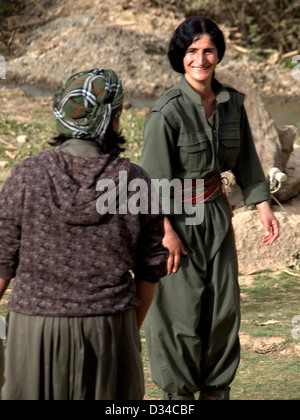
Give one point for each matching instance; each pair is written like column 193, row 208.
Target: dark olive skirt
column 78, row 358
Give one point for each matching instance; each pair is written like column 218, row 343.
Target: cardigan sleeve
column 152, row 256
column 248, row 170
column 151, row 261
column 11, row 206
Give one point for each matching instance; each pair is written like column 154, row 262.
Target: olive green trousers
column 78, row 358
column 193, row 324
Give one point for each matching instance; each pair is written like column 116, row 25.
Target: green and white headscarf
column 87, row 103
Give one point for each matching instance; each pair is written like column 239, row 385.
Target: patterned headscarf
column 87, row 103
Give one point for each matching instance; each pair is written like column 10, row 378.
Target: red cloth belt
column 192, row 193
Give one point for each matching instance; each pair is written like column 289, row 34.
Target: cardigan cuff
column 6, row 273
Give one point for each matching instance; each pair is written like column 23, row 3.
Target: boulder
column 253, row 255
column 287, row 136
column 291, row 188
column 262, row 125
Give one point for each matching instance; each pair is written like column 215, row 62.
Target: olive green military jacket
column 180, row 143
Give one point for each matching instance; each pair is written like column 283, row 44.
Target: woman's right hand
column 173, row 243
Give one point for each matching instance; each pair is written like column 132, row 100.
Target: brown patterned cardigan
column 67, row 259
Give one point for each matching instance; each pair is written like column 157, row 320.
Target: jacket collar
column 222, row 94
column 81, row 148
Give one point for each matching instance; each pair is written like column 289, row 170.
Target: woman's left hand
column 269, row 222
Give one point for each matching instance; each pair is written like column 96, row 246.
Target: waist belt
column 189, row 193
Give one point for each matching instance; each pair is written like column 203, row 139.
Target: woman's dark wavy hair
column 112, row 143
column 186, row 33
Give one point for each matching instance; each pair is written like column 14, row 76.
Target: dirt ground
column 266, row 345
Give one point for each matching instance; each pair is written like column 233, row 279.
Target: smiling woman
column 200, row 62
column 196, row 48
column 201, row 57
column 198, row 130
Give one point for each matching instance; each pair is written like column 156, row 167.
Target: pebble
column 3, row 164
column 22, row 139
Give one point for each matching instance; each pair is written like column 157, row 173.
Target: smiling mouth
column 201, row 68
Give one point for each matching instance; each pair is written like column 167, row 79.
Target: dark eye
column 191, row 51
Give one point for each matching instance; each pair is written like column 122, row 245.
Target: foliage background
column 265, row 24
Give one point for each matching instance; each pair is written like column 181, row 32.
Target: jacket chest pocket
column 194, row 152
column 229, row 143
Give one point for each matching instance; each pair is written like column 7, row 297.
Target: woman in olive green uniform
column 198, row 130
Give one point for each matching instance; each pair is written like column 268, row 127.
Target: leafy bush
column 264, row 24
column 5, row 8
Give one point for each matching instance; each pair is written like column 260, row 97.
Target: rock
column 3, row 164
column 11, row 154
column 291, row 188
column 287, row 135
column 255, row 256
column 22, row 139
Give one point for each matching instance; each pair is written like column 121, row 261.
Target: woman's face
column 200, row 61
